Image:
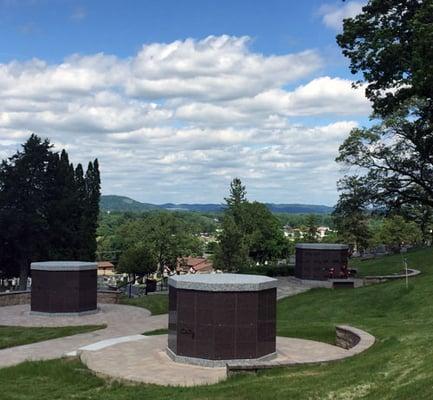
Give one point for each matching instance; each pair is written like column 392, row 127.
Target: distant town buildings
column 299, row 233
column 105, row 268
column 194, row 265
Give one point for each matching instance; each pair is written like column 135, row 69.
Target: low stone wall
column 14, row 298
column 23, row 297
column 354, row 340
column 108, row 296
column 346, row 338
column 411, row 272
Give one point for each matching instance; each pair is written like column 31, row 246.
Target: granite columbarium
column 321, row 261
column 64, row 287
column 215, row 319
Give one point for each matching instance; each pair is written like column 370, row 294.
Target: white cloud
column 333, row 15
column 177, row 121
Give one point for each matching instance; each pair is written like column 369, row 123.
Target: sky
column 176, row 98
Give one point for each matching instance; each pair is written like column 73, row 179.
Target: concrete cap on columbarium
column 63, row 266
column 322, row 246
column 222, row 282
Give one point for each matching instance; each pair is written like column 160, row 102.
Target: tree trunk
column 24, row 274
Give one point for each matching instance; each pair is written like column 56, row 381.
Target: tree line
column 390, row 48
column 48, row 208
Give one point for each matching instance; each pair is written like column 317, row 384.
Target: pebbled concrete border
column 217, row 363
column 66, row 314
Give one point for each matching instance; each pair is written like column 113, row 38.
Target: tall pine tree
column 48, row 209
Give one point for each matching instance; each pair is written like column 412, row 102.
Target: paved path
column 121, row 321
column 145, row 361
column 287, row 287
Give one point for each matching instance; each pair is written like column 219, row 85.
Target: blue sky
column 133, row 83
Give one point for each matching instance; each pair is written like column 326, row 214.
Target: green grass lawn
column 162, row 331
column 155, row 303
column 11, row 336
column 399, row 366
column 385, row 265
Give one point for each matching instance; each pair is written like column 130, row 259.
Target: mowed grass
column 385, row 265
column 155, row 303
column 155, row 332
column 399, row 366
column 11, row 336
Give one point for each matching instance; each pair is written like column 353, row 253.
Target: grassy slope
column 399, row 366
column 384, row 265
column 155, row 303
column 16, row 336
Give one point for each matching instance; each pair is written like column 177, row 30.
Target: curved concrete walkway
column 120, row 351
column 145, row 361
column 121, row 320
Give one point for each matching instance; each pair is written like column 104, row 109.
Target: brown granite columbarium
column 64, row 287
column 321, row 261
column 215, row 319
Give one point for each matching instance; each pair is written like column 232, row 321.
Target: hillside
column 122, row 203
column 397, row 367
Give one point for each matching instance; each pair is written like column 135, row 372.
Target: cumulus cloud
column 177, row 121
column 333, row 15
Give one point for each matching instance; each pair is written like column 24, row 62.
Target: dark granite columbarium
column 321, row 261
column 64, row 287
column 219, row 318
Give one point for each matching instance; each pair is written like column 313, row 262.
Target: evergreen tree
column 89, row 220
column 61, row 207
column 232, row 252
column 236, row 199
column 48, row 210
column 311, row 222
column 250, row 233
column 23, row 196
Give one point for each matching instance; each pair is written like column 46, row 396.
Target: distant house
column 322, row 231
column 198, row 265
column 105, row 268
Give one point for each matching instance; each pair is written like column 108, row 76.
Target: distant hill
column 299, row 208
column 122, row 203
column 193, row 207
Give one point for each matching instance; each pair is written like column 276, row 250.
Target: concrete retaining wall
column 23, row 297
column 346, row 338
column 354, row 340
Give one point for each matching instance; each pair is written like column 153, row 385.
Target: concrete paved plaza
column 146, row 361
column 121, row 321
column 120, row 351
